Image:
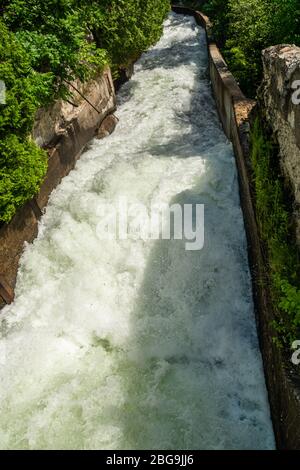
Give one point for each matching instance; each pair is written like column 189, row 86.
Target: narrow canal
column 134, row 343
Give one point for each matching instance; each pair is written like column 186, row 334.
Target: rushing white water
column 132, row 343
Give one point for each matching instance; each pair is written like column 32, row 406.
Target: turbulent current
column 134, row 343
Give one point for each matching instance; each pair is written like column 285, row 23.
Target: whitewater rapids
column 138, row 344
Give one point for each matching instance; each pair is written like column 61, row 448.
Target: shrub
column 26, row 89
column 275, row 224
column 54, row 34
column 125, row 28
column 23, row 167
column 22, row 163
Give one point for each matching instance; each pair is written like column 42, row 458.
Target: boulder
column 107, row 126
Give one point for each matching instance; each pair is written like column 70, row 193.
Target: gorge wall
column 63, row 130
column 280, row 102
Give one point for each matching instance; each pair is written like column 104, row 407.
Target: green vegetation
column 275, row 224
column 43, row 44
column 243, row 28
column 22, row 163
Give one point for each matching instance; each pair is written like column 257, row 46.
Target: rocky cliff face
column 89, row 103
column 280, row 95
column 64, row 129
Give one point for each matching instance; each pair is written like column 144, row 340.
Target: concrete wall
column 64, row 130
column 236, row 113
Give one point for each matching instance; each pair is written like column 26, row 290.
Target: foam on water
column 132, row 343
